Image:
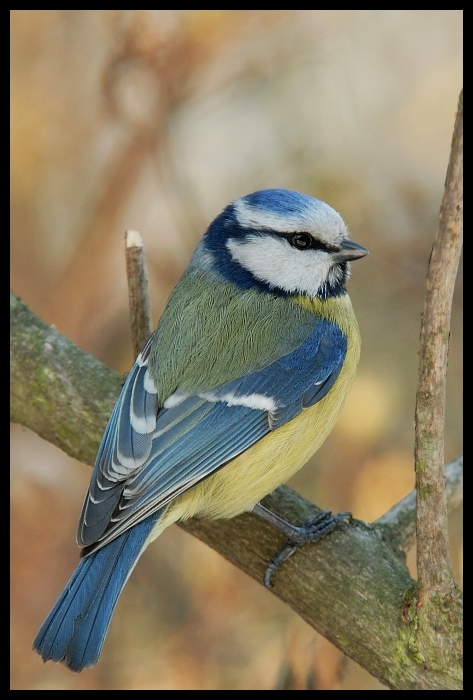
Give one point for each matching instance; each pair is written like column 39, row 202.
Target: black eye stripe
column 304, row 241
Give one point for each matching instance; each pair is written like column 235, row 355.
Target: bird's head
column 282, row 241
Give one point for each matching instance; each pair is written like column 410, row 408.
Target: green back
column 212, row 332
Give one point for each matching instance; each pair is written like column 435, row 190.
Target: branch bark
column 56, row 389
column 401, row 518
column 434, row 610
column 137, row 275
column 433, row 560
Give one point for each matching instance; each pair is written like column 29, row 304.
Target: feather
column 75, row 629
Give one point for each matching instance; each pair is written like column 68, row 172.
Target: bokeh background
column 155, row 120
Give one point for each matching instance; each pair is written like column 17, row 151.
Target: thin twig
column 140, row 309
column 401, row 518
column 433, row 561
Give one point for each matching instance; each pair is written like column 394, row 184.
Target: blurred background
column 155, row 120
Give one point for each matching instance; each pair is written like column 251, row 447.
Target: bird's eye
column 301, row 241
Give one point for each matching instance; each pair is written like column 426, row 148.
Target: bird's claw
column 313, row 530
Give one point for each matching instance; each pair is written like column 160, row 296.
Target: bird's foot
column 313, row 530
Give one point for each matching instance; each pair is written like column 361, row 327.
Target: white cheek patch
column 323, row 222
column 257, row 401
column 273, row 260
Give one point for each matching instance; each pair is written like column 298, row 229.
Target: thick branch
column 56, row 389
column 353, row 587
column 433, row 561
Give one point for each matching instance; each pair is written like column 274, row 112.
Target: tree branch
column 56, row 389
column 433, row 561
column 137, row 275
column 400, row 520
column 353, row 587
column 434, row 607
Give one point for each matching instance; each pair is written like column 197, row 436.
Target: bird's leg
column 313, row 530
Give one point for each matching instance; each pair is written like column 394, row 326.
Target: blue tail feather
column 75, row 629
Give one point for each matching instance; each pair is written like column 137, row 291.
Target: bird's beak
column 350, row 250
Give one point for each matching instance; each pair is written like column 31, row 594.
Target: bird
column 239, row 385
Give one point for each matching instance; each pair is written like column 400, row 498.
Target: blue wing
column 150, row 455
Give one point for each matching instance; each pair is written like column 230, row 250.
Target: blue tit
column 239, row 385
